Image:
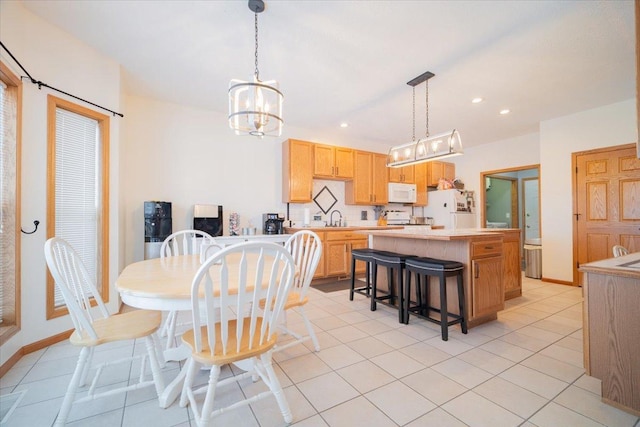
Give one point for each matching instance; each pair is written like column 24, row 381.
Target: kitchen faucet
column 333, row 224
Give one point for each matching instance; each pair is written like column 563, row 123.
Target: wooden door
column 606, row 204
column 487, row 297
column 379, row 182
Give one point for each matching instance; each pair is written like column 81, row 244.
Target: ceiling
column 349, row 61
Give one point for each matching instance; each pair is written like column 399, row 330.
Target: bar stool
column 366, row 255
column 393, row 261
column 442, row 269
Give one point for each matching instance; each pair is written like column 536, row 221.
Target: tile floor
column 524, row 369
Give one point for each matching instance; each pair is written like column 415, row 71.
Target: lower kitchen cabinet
column 488, row 292
column 512, row 264
column 337, row 248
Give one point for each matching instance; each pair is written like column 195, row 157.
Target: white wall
column 606, row 126
column 59, row 60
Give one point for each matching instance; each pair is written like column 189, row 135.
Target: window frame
column 10, row 328
column 53, row 103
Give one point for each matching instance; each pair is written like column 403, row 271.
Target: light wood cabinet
column 320, row 270
column 420, row 175
column 437, row 170
column 512, row 276
column 338, row 246
column 330, row 162
column 402, row 174
column 487, row 284
column 369, row 184
column 297, row 171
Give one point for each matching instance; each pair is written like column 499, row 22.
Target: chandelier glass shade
column 255, row 107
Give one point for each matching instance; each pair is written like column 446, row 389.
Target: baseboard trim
column 30, row 348
column 559, row 282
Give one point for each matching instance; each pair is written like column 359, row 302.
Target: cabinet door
column 408, row 174
column 434, row 173
column 360, row 265
column 323, row 160
column 488, row 288
column 297, row 173
column 449, row 170
column 379, row 185
column 359, row 190
column 395, row 174
column 512, row 271
column 336, row 258
column 420, row 175
column 343, row 163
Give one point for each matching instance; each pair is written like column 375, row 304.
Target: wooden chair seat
column 125, row 326
column 293, row 300
column 233, row 354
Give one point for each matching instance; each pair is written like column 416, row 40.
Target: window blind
column 77, row 188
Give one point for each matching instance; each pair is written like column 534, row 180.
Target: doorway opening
column 511, row 199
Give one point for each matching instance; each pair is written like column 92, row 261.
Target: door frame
column 574, row 196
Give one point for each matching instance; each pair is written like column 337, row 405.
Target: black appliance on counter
column 273, row 223
column 157, row 227
column 208, row 218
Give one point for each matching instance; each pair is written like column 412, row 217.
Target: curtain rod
column 40, row 84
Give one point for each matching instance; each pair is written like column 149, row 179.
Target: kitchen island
column 487, row 255
column 611, row 342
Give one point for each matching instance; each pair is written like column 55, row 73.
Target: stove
column 398, row 218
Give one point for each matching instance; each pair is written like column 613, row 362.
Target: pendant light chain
column 414, row 113
column 256, row 26
column 427, row 108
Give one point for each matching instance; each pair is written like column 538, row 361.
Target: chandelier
column 431, row 147
column 255, row 107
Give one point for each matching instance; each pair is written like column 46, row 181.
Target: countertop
column 444, row 234
column 355, row 228
column 627, row 265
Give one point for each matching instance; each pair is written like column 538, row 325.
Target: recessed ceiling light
column 477, row 100
column 505, row 111
column 344, row 125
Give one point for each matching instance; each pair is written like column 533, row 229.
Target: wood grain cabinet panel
column 404, row 174
column 297, row 171
column 332, row 162
column 437, row 170
column 369, row 184
column 487, row 286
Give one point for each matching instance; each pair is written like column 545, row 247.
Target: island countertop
column 441, row 234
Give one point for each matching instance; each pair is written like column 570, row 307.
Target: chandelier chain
column 414, row 113
column 427, row 109
column 257, row 73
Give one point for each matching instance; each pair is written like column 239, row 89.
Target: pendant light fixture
column 431, row 147
column 255, row 107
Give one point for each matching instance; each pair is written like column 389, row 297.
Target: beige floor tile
column 591, row 405
column 564, row 354
column 541, row 334
column 462, row 372
column 434, row 386
column 339, row 356
column 420, row 330
column 329, row 323
column 373, row 327
column 571, row 343
column 425, row 353
column 327, row 391
column 437, row 418
column 304, row 367
column 532, row 380
column 399, row 402
column 366, row 376
column 315, row 421
column 554, row 367
column 476, row 411
column 357, row 412
column 485, row 360
column 554, row 415
column 591, row 384
column 290, row 352
column 397, row 364
column 452, row 346
column 506, row 350
column 353, row 317
column 370, row 347
column 268, row 412
column 325, row 340
column 347, row 333
column 524, row 341
column 516, row 399
column 396, row 339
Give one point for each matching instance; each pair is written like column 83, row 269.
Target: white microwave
column 402, row 193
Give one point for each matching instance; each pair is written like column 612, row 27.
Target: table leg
column 172, row 390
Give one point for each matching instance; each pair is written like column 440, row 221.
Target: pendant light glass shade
column 255, row 108
column 447, row 144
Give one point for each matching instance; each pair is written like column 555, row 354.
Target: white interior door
column 531, row 208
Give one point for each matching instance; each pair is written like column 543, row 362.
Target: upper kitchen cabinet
column 420, row 176
column 297, row 171
column 404, row 174
column 437, row 170
column 330, row 162
column 369, row 184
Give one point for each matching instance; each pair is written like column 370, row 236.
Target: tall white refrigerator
column 443, row 206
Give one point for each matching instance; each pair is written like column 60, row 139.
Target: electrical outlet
column 363, row 215
column 508, row 215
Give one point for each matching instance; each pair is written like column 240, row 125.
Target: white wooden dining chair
column 236, row 330
column 183, row 242
column 94, row 326
column 306, row 248
column 619, row 250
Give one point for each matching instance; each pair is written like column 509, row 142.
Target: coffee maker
column 273, row 223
